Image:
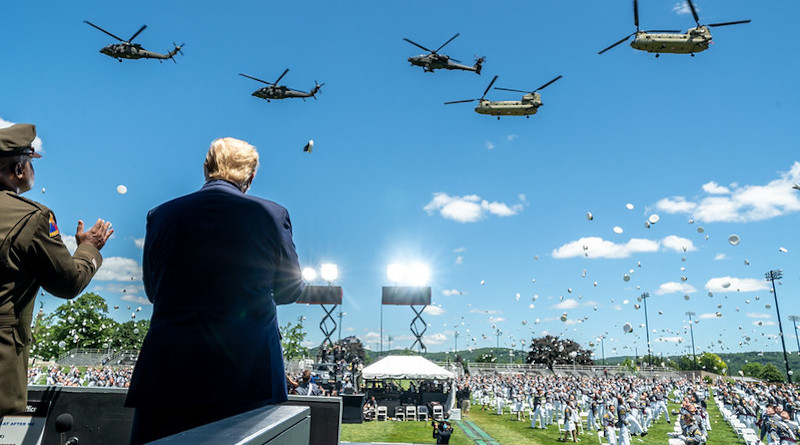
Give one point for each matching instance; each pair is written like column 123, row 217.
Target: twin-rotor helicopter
column 126, row 49
column 528, row 105
column 275, row 91
column 694, row 40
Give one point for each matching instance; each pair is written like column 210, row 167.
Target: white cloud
column 596, row 247
column 569, row 303
column 451, row 292
column 736, row 284
column 708, row 316
column 135, row 299
column 434, row 310
column 673, row 287
column 678, row 244
column 511, row 137
column 132, row 287
column 712, row 188
column 70, row 242
column 720, row 256
column 489, row 146
column 616, row 307
column 485, row 311
column 757, row 315
column 573, row 321
column 372, row 336
column 459, row 250
column 435, row 339
column 459, row 259
column 676, row 204
column 468, row 208
column 119, row 269
column 350, row 329
column 139, row 242
column 744, row 203
column 669, row 340
column 682, row 8
column 496, row 319
column 37, row 141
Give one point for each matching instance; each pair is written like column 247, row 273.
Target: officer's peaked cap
column 17, row 139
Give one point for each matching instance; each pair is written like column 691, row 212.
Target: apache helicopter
column 529, row 104
column 275, row 91
column 128, row 50
column 435, row 61
column 692, row 41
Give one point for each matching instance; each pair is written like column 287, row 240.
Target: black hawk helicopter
column 692, row 41
column 128, row 50
column 528, row 105
column 275, row 91
column 435, row 61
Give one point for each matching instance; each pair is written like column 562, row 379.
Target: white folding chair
column 382, row 412
column 411, row 413
column 438, row 413
column 399, row 413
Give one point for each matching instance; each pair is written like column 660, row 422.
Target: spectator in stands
column 307, row 387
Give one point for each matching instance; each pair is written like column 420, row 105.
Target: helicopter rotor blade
column 738, row 22
column 547, row 84
column 460, row 101
column 101, row 29
column 510, row 89
column 445, row 43
column 617, row 43
column 636, row 14
column 417, row 45
column 281, row 76
column 255, row 78
column 694, row 12
column 137, row 33
column 489, row 87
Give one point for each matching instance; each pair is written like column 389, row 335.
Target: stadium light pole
column 771, row 277
column 691, row 329
column 603, row 348
column 341, row 314
column 794, row 319
column 645, row 296
column 498, row 334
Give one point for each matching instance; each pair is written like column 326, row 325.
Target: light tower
column 691, row 329
column 771, row 277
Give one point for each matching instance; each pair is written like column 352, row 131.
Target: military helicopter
column 275, row 91
column 692, row 41
column 435, row 61
column 128, row 50
column 529, row 104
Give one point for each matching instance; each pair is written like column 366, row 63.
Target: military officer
column 32, row 254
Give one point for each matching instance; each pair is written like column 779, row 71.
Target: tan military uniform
column 32, row 254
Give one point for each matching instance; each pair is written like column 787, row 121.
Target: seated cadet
column 692, row 435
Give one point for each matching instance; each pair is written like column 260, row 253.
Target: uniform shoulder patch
column 53, row 226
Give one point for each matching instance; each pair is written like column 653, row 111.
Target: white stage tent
column 409, row 367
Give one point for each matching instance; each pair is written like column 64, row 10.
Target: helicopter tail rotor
column 176, row 50
column 316, row 89
column 479, row 64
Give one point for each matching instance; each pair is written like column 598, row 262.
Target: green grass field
column 507, row 431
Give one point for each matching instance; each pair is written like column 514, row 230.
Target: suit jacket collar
column 221, row 184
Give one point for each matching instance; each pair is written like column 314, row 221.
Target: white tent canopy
column 405, row 367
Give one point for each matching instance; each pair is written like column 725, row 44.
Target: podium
column 97, row 416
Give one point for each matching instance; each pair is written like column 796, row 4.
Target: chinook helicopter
column 529, row 104
column 692, row 41
column 275, row 91
column 129, row 50
column 435, row 61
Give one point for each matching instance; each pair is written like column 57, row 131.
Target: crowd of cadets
column 771, row 409
column 628, row 404
column 93, row 377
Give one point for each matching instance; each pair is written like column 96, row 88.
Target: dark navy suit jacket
column 215, row 264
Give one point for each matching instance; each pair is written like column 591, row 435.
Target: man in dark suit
column 216, row 262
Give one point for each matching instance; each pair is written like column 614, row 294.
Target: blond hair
column 232, row 160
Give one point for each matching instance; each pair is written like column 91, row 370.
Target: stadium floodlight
column 329, row 272
column 418, row 274
column 396, row 272
column 309, row 274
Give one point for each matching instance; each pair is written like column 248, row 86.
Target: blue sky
column 397, row 176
